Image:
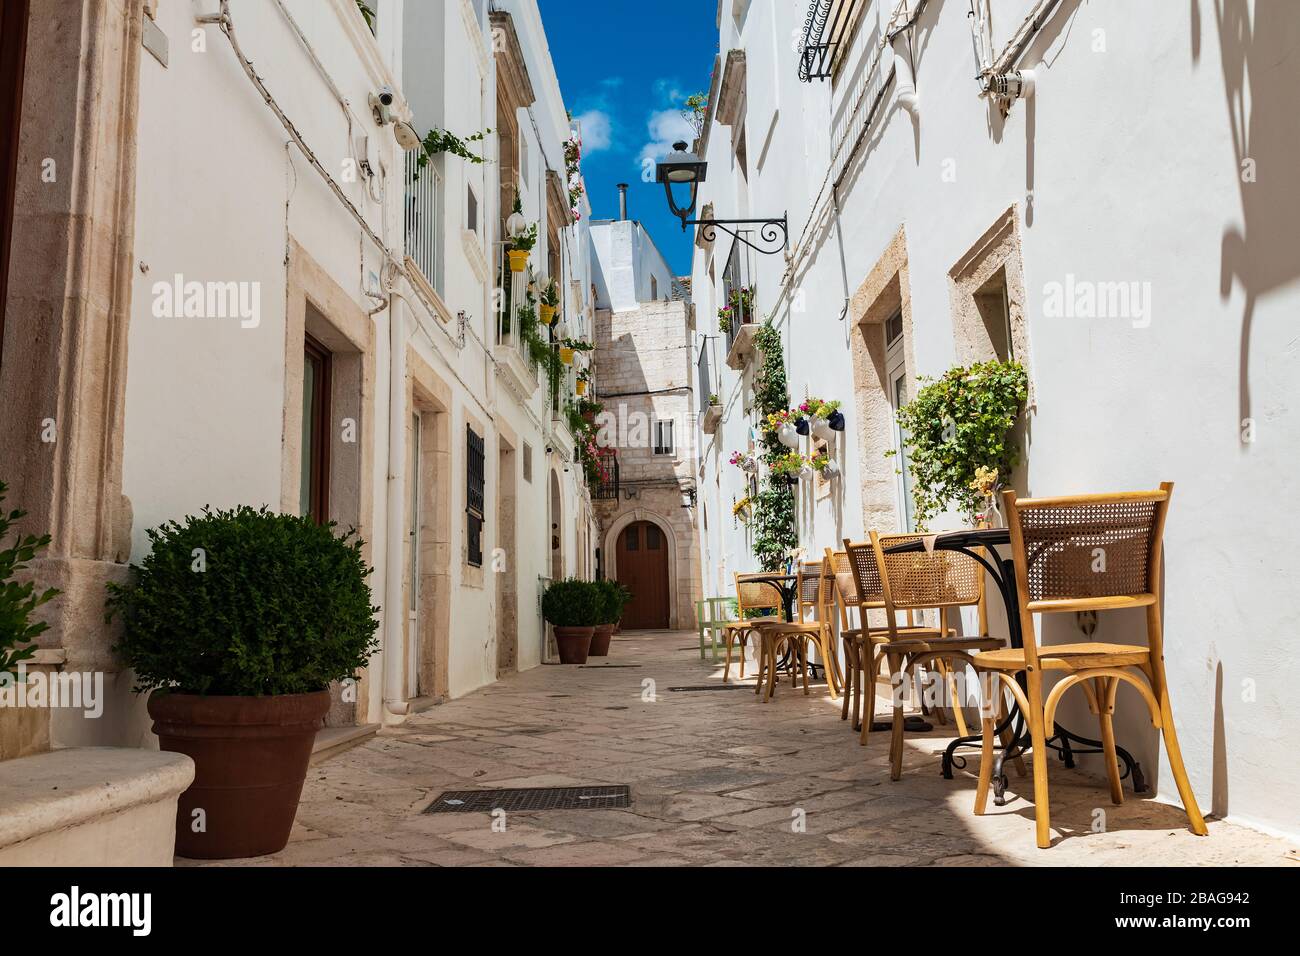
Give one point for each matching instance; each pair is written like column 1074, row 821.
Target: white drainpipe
column 396, row 704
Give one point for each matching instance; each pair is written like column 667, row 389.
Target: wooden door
column 642, row 564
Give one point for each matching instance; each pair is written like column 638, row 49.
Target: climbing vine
column 775, row 533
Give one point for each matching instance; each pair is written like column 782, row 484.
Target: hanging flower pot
column 566, row 355
column 582, row 387
column 801, row 426
column 822, row 429
column 807, row 472
column 831, row 470
column 548, row 314
column 518, row 259
column 788, row 435
column 836, row 420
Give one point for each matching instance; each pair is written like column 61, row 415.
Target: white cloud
column 596, row 130
column 665, row 128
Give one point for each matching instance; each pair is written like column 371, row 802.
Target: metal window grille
column 474, row 484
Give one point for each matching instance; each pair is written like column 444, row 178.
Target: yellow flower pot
column 582, row 387
column 518, row 259
column 566, row 356
column 548, row 314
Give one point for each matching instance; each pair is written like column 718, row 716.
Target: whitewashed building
column 1125, row 231
column 350, row 357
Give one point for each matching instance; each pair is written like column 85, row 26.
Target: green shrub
column 573, row 603
column 246, row 603
column 957, row 425
column 614, row 598
column 18, row 601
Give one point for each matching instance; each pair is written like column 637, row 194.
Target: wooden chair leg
column 986, row 764
column 859, row 680
column 896, row 742
column 955, row 702
column 726, row 670
column 742, row 638
column 1042, row 812
column 769, row 648
column 1108, row 739
column 849, row 658
column 762, row 664
column 1176, row 756
column 869, row 676
column 939, row 674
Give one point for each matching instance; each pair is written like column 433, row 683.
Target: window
column 896, row 382
column 631, row 539
column 313, row 497
column 528, row 463
column 664, row 438
column 653, row 537
column 654, row 289
column 523, row 160
column 992, row 302
column 474, row 498
column 471, row 210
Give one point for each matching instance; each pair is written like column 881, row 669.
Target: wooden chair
column 813, row 586
column 751, row 595
column 860, row 589
column 711, row 614
column 917, row 581
column 1086, row 553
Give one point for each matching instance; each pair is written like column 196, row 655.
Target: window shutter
column 474, row 498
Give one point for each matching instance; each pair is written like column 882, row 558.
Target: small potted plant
column 724, row 319
column 583, row 378
column 521, row 246
column 787, row 467
column 550, row 302
column 741, row 302
column 744, row 462
column 715, row 401
column 238, row 622
column 783, row 424
column 741, row 509
column 613, row 599
column 826, row 466
column 574, row 609
column 18, row 601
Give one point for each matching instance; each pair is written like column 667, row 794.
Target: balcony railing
column 607, row 490
column 827, row 31
column 510, row 303
column 706, row 378
column 423, row 219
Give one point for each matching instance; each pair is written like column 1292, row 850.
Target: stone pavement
column 717, row 778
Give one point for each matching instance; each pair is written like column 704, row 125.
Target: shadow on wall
column 1260, row 55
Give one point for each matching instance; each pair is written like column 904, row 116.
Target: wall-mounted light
column 684, row 168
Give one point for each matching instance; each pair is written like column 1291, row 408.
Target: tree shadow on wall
column 1260, row 54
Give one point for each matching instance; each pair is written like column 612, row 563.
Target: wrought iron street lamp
column 683, row 168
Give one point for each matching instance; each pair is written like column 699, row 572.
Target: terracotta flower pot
column 518, row 259
column 250, row 759
column 574, row 644
column 600, row 639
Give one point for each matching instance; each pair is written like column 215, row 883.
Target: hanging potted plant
column 521, row 246
column 550, row 302
column 741, row 510
column 806, row 470
column 826, row 466
column 782, row 424
column 573, row 608
column 724, row 319
column 570, row 347
column 819, row 413
column 745, row 462
column 239, row 656
column 583, row 378
column 741, row 301
column 787, row 468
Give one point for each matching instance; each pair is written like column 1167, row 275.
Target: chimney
column 622, row 202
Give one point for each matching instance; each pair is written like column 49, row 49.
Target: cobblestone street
column 717, row 779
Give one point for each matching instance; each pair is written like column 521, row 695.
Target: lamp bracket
column 774, row 234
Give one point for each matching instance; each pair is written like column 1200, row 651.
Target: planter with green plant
column 573, row 608
column 550, row 302
column 959, row 435
column 614, row 598
column 521, row 247
column 238, row 622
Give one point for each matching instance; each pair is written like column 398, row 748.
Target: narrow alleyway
column 717, row 779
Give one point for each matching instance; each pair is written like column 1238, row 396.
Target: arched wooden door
column 642, row 565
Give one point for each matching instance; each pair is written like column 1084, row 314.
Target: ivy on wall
column 775, row 533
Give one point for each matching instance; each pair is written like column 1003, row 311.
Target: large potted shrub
column 574, row 609
column 237, row 622
column 614, row 598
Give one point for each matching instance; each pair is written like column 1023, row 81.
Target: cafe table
column 981, row 544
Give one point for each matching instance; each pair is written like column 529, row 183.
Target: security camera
column 381, row 104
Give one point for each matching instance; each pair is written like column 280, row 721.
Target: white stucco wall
column 1108, row 187
column 626, row 259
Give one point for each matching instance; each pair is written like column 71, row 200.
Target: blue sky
column 625, row 66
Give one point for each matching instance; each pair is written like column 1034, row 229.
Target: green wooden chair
column 711, row 615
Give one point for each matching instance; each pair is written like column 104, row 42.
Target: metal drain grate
column 533, row 798
column 712, row 687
